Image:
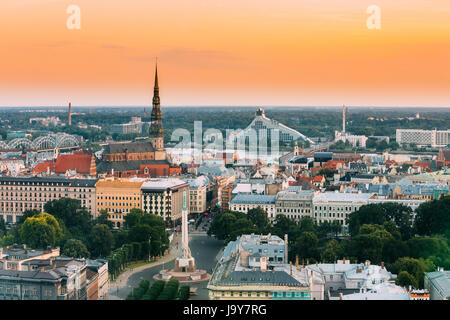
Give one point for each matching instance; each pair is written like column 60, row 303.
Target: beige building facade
column 18, row 194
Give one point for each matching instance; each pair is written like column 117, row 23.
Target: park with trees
column 66, row 224
column 160, row 290
column 384, row 232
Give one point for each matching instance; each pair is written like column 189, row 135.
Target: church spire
column 156, row 74
column 156, row 130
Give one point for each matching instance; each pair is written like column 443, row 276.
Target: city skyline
column 232, row 53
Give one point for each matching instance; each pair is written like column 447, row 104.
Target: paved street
column 203, row 248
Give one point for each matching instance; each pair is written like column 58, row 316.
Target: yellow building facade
column 118, row 197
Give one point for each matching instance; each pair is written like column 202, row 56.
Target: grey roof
column 49, row 275
column 299, row 195
column 161, row 184
column 255, row 277
column 441, row 280
column 380, row 189
column 50, row 179
column 299, row 159
column 253, row 199
column 132, row 147
column 323, row 154
column 126, row 165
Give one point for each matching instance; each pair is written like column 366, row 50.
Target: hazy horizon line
column 221, row 106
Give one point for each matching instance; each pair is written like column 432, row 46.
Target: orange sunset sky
column 225, row 52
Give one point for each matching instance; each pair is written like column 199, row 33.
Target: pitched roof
column 128, row 165
column 119, row 183
column 131, row 147
column 253, row 199
column 43, row 167
column 79, row 162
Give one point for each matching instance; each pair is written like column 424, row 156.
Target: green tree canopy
column 103, row 218
column 75, row 248
column 259, row 218
column 379, row 214
column 41, row 231
column 414, row 267
column 133, row 217
column 332, row 251
column 405, row 279
column 75, row 218
column 306, row 246
column 433, row 217
column 100, row 241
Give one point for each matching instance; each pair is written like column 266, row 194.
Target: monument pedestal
column 184, row 265
column 184, row 269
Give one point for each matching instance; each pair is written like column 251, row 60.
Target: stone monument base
column 183, row 277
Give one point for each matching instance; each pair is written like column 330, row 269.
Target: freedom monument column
column 184, row 269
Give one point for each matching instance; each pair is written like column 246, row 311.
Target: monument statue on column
column 184, row 269
column 184, row 262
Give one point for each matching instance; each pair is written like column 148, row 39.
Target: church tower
column 156, row 130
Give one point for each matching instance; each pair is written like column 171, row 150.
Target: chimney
column 307, row 261
column 344, row 111
column 296, row 260
column 263, row 264
column 382, row 264
column 343, row 260
column 70, row 114
column 340, row 296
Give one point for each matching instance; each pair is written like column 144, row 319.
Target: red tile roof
column 422, row 164
column 42, row 167
column 317, row 179
column 79, row 162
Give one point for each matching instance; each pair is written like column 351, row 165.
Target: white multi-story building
column 245, row 202
column 334, row 206
column 346, row 281
column 433, row 138
column 354, row 140
column 254, row 267
column 164, row 197
column 134, row 126
column 294, row 205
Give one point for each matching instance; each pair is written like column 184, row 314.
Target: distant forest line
column 311, row 121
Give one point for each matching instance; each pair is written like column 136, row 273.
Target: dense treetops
column 378, row 232
column 70, row 226
column 160, row 290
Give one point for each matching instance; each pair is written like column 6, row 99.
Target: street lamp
column 149, row 247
